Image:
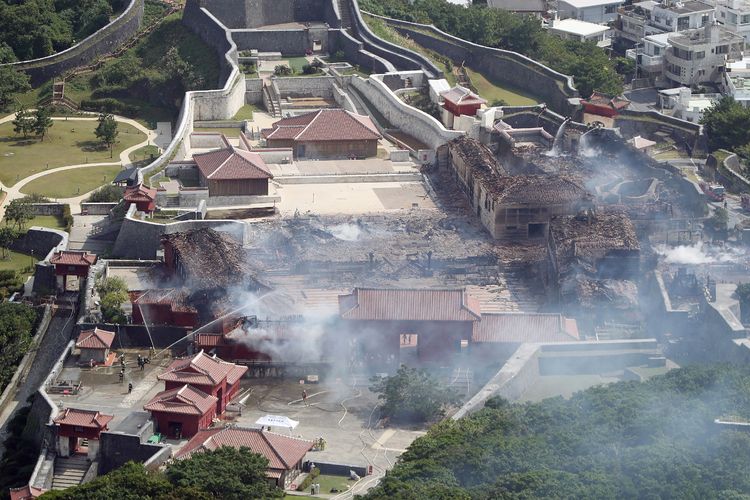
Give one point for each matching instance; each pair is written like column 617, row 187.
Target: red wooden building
column 285, row 454
column 182, row 411
column 209, row 374
column 27, row 492
column 462, row 101
column 71, row 263
column 163, row 307
column 94, row 345
column 73, row 425
column 143, row 197
column 233, row 172
column 604, row 105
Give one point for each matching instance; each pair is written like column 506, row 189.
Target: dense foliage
column 226, row 473
column 587, row 63
column 412, row 395
column 12, row 82
column 727, row 125
column 655, row 439
column 38, row 28
column 16, row 330
column 113, row 292
column 19, row 459
column 106, row 194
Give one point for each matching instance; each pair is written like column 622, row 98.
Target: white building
column 735, row 16
column 592, row 11
column 573, row 29
column 534, row 7
column 641, row 19
column 681, row 103
column 649, row 58
column 736, row 81
column 699, row 56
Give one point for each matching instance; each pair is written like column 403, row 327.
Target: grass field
column 74, row 182
column 245, row 112
column 327, row 482
column 67, row 143
column 19, row 262
column 51, row 221
column 142, row 156
column 494, row 92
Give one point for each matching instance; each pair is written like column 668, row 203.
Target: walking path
column 75, row 202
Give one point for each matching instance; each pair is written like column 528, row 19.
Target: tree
column 23, row 122
column 16, row 323
column 106, row 131
column 7, row 236
column 42, row 121
column 727, row 124
column 19, row 212
column 282, row 70
column 11, row 82
column 130, row 482
column 412, row 395
column 227, row 473
column 106, row 194
column 113, row 292
column 720, row 218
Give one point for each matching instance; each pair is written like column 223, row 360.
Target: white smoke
column 698, row 254
column 346, row 232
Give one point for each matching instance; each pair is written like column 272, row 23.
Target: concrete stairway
column 346, row 17
column 69, row 471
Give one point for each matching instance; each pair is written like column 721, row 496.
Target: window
column 610, row 9
column 683, row 23
column 700, row 55
column 722, row 49
column 731, row 18
column 704, row 19
column 669, row 21
column 745, row 19
column 657, row 50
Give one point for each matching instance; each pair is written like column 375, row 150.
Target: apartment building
column 591, row 11
column 573, row 29
column 736, row 81
column 699, row 55
column 642, row 19
column 735, row 16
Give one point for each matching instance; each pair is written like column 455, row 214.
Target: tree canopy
column 588, row 64
column 11, row 82
column 225, row 473
column 106, row 131
column 727, row 124
column 412, row 395
column 16, row 324
column 655, row 439
column 38, row 28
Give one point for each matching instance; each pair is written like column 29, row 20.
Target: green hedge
column 109, row 105
column 308, row 480
column 67, row 218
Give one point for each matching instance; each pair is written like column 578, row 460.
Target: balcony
column 646, row 61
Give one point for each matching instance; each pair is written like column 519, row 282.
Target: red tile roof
column 325, row 125
column 202, row 369
column 73, row 258
column 232, row 164
column 83, row 418
column 186, row 400
column 409, row 305
column 139, row 193
column 462, row 96
column 95, row 339
column 176, row 298
column 282, row 452
column 25, row 492
column 515, row 327
column 601, row 99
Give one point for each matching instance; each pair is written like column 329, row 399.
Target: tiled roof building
column 233, row 172
column 181, row 411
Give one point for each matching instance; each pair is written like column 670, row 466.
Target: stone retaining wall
column 290, row 42
column 102, row 42
column 100, row 208
column 503, row 66
column 315, row 86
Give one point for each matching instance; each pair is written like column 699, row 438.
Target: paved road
column 75, row 202
column 49, row 350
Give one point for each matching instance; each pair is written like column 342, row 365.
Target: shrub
column 282, row 70
column 109, row 105
column 67, row 218
column 308, row 480
column 106, row 194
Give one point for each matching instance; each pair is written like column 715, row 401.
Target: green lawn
column 245, row 112
column 67, row 143
column 142, row 156
column 296, row 63
column 492, row 91
column 19, row 262
column 70, row 183
column 51, row 221
column 327, row 482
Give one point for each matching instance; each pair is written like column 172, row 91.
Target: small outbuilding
column 233, row 172
column 181, row 412
column 144, row 198
column 325, row 134
column 285, row 454
column 94, row 345
column 27, row 492
column 462, row 101
column 71, row 263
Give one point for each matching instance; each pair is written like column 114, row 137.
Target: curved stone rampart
column 102, row 42
column 503, row 66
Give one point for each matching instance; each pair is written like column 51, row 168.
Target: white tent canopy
column 277, row 421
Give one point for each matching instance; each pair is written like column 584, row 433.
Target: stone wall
column 648, row 123
column 288, row 41
column 315, row 86
column 47, row 208
column 102, row 42
column 253, row 90
column 502, row 66
column 41, row 242
column 116, row 449
column 412, row 121
column 141, row 239
column 356, row 53
column 99, row 208
column 256, row 13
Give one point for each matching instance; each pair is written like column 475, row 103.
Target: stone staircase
column 69, row 471
column 346, row 17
